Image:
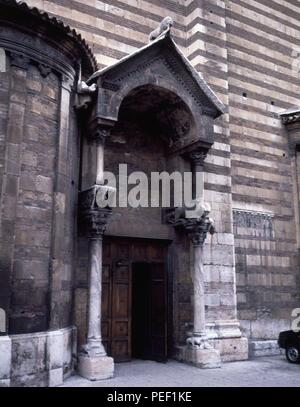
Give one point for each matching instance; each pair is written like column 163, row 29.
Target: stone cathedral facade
column 215, row 92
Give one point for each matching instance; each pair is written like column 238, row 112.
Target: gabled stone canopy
column 162, row 66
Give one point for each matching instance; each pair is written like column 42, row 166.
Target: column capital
column 198, row 228
column 197, row 157
column 95, row 222
column 99, row 130
column 93, row 214
column 100, row 134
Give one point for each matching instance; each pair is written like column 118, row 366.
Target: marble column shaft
column 94, row 336
column 198, row 282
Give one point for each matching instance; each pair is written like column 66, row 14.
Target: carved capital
column 94, row 212
column 19, row 60
column 198, row 157
column 100, row 134
column 100, row 129
column 197, row 226
column 198, row 229
column 93, row 223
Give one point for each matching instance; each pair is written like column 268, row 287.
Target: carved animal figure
column 164, row 26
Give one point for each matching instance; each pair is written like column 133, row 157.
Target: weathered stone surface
column 96, row 368
column 203, row 358
column 263, row 348
column 5, row 357
column 232, row 349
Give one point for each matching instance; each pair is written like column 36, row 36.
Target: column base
column 200, row 353
column 96, row 367
column 226, row 337
column 203, row 358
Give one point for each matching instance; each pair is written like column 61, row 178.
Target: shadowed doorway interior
column 149, row 313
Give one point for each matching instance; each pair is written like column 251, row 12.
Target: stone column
column 94, row 364
column 199, row 352
column 197, row 160
column 94, row 337
column 100, row 137
column 197, row 223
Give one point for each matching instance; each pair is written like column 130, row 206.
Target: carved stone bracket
column 197, row 226
column 198, row 229
column 44, row 70
column 84, row 96
column 94, row 212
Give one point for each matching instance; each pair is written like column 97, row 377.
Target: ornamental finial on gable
column 164, row 27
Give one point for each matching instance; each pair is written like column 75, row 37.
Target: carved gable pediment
column 162, row 65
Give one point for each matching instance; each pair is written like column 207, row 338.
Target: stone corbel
column 84, row 95
column 94, row 210
column 44, row 70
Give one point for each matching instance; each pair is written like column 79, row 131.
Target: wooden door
column 121, row 312
column 120, row 258
column 116, row 301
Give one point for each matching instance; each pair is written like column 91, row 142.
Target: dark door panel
column 149, row 312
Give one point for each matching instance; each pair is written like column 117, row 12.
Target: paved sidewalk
column 260, row 372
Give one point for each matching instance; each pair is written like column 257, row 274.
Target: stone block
column 44, row 184
column 263, row 348
column 55, row 350
column 5, row 360
column 203, row 358
column 232, row 349
column 268, row 328
column 56, row 377
column 96, row 368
